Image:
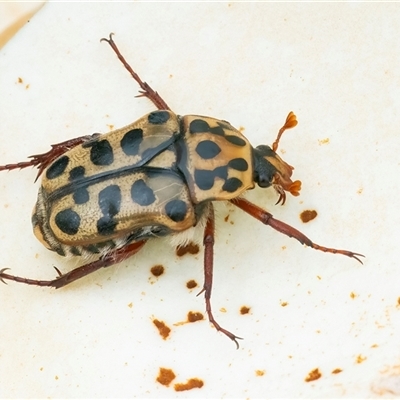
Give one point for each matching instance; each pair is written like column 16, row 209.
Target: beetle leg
column 146, row 91
column 42, row 161
column 266, row 218
column 208, row 241
column 107, row 260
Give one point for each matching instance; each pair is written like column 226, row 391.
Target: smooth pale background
column 337, row 67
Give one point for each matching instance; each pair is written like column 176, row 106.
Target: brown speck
column 284, row 303
column 260, row 372
column 241, row 129
column 157, row 270
column 337, row 371
column 191, row 284
column 194, row 316
column 226, row 219
column 162, row 328
column 20, row 80
column 374, row 346
column 313, row 375
column 318, row 277
column 360, row 359
column 56, row 378
column 359, row 191
column 222, row 309
column 41, row 368
column 165, row 376
column 191, row 248
column 130, row 305
column 110, row 127
column 192, row 383
column 308, row 215
column 323, row 141
column 283, row 247
column 353, row 295
column 27, row 86
column 398, row 301
column 244, row 310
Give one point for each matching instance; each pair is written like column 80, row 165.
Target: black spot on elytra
column 81, row 196
column 101, row 152
column 110, row 200
column 68, row 221
column 199, row 126
column 176, row 210
column 205, row 179
column 57, row 168
column 240, row 164
column 235, row 140
column 76, row 173
column 207, row 149
column 110, row 204
column 158, row 117
column 131, row 141
column 232, row 184
column 217, row 130
column 142, row 194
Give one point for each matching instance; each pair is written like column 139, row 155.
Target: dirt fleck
column 337, row 371
column 260, row 372
column 284, row 303
column 162, row 328
column 308, row 215
column 165, row 376
column 157, row 270
column 244, row 310
column 191, row 284
column 192, row 383
column 360, row 359
column 313, row 375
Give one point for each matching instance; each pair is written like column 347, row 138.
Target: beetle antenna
column 291, row 122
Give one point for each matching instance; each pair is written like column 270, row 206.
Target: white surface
column 337, row 67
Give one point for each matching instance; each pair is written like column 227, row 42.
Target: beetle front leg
column 107, row 260
column 146, row 91
column 266, row 218
column 42, row 161
column 208, row 241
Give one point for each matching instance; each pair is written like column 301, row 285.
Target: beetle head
column 271, row 170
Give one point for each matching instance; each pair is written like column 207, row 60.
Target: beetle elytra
column 107, row 195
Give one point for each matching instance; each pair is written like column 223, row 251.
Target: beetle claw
column 1, row 273
column 58, row 272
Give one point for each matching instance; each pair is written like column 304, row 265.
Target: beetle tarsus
column 266, row 218
column 146, row 91
column 208, row 241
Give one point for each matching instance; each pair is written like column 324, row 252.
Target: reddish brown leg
column 42, row 161
column 208, row 242
column 107, row 260
column 266, row 218
column 146, row 91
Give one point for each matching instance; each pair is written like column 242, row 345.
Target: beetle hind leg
column 107, row 260
column 208, row 241
column 266, row 218
column 42, row 161
column 146, row 91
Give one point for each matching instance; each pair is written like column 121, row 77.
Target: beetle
column 106, row 195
